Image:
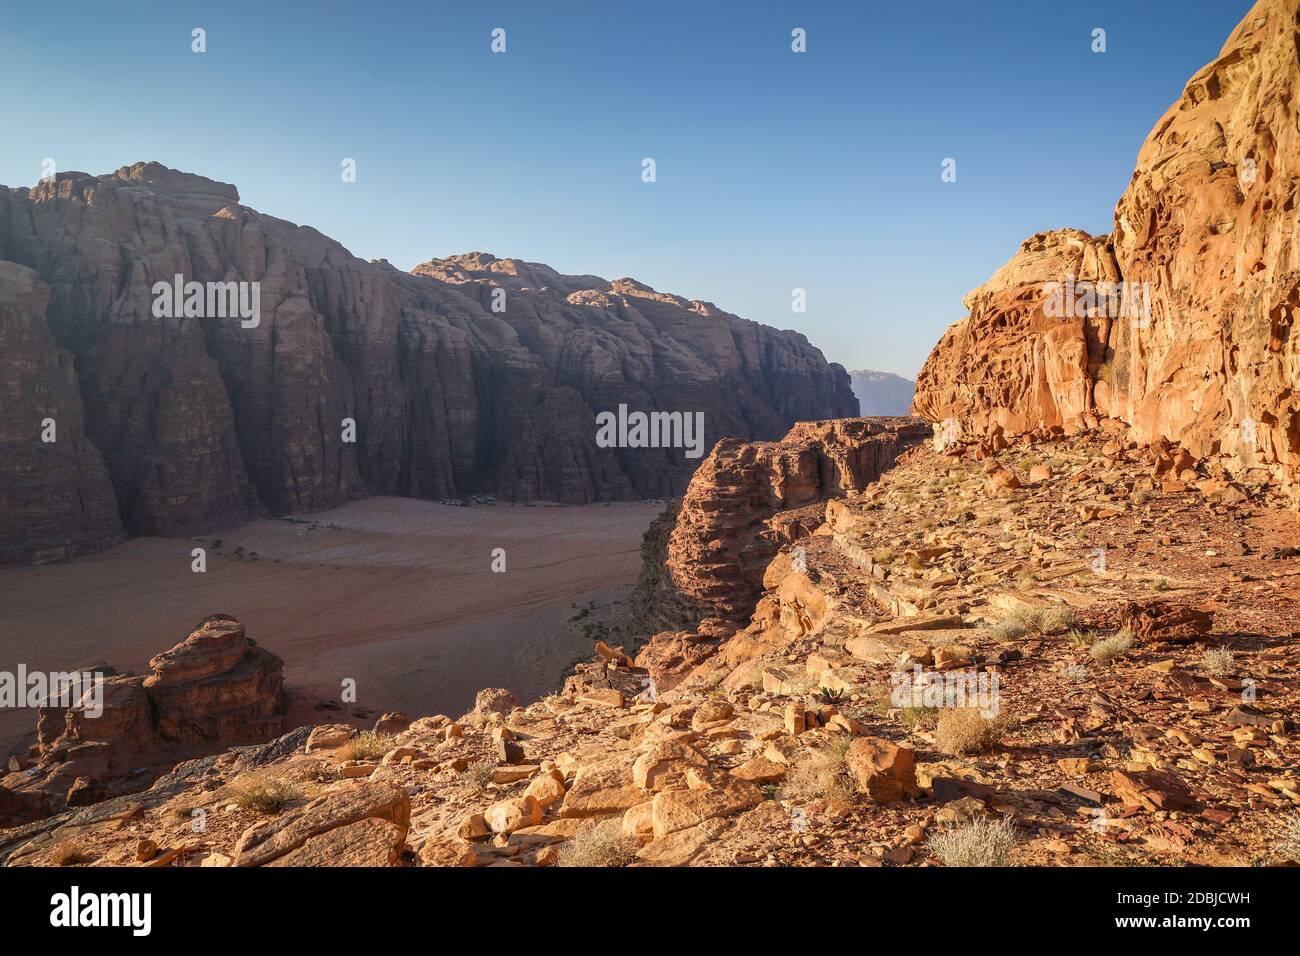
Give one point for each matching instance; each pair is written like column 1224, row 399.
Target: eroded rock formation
column 471, row 375
column 746, row 501
column 1207, row 232
column 215, row 687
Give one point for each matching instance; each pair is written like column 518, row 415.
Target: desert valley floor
column 395, row 593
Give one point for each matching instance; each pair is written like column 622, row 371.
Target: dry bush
column 964, row 730
column 978, row 843
column 1288, row 843
column 604, row 844
column 1218, row 661
column 367, row 745
column 1109, row 648
column 263, row 792
column 1033, row 621
column 823, row 775
column 478, row 775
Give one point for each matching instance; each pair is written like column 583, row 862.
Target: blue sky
column 775, row 170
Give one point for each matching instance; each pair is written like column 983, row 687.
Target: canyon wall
column 469, row 375
column 1206, row 245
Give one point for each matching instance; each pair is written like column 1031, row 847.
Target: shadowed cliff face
column 1206, row 235
column 471, row 375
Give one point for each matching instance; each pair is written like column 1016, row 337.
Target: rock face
column 881, row 393
column 704, row 560
column 215, row 687
column 1010, row 363
column 55, row 496
column 744, row 503
column 471, row 375
column 1206, row 244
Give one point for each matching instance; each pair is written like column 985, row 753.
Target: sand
column 394, row 593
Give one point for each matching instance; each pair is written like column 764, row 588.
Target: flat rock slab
column 368, row 842
column 264, row 842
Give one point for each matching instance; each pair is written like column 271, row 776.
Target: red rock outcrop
column 470, row 375
column 1206, row 243
column 746, row 501
column 1013, row 362
column 214, row 688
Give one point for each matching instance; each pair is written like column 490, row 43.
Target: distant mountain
column 882, row 393
column 345, row 378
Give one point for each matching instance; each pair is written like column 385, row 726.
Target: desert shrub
column 1075, row 673
column 1033, row 621
column 964, row 730
column 367, row 745
column 1218, row 661
column 978, row 843
column 1109, row 648
column 263, row 792
column 924, row 718
column 822, row 775
column 1288, row 843
column 478, row 775
column 1055, row 620
column 603, row 844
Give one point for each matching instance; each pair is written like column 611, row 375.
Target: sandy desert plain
column 397, row 594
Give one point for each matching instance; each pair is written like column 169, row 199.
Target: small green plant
column 832, row 696
column 1218, row 661
column 1160, row 584
column 1079, row 637
column 1110, row 648
column 1142, row 497
column 978, row 843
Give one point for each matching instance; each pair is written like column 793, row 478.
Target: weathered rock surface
column 743, row 505
column 1207, row 234
column 55, row 497
column 204, row 422
column 214, row 688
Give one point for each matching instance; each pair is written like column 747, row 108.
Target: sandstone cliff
column 454, row 388
column 1206, row 240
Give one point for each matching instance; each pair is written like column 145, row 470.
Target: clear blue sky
column 775, row 170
